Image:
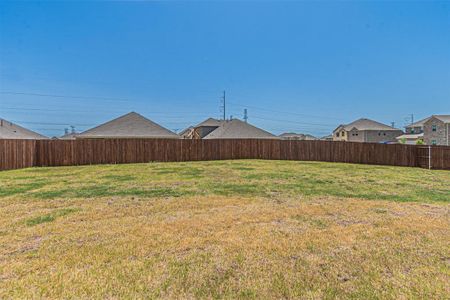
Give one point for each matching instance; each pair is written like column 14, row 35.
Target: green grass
column 250, row 178
column 50, row 217
column 246, row 229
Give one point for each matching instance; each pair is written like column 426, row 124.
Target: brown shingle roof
column 131, row 125
column 9, row 130
column 236, row 129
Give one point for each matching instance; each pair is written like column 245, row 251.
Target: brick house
column 433, row 130
column 436, row 130
column 366, row 131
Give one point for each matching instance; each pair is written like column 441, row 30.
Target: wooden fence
column 15, row 154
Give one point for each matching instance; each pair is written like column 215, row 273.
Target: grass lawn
column 225, row 229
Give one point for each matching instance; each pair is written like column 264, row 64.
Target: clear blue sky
column 296, row 66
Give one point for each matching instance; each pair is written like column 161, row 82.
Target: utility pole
column 412, row 118
column 245, row 115
column 224, row 106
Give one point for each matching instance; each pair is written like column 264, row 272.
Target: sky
column 295, row 66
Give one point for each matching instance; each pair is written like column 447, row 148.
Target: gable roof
column 443, row 118
column 418, row 123
column 131, row 125
column 9, row 130
column 210, row 122
column 185, row 131
column 366, row 124
column 237, row 129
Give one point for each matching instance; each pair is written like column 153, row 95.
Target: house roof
column 443, row 118
column 68, row 136
column 9, row 130
column 210, row 122
column 185, row 131
column 366, row 124
column 131, row 125
column 410, row 136
column 420, row 123
column 237, row 129
column 297, row 135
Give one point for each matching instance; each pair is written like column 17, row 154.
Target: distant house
column 202, row 129
column 9, row 130
column 68, row 136
column 410, row 139
column 366, row 131
column 131, row 125
column 327, row 138
column 433, row 130
column 237, row 129
column 436, row 130
column 297, row 136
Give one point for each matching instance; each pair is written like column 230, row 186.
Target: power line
column 295, row 122
column 285, row 112
column 49, row 123
column 64, row 96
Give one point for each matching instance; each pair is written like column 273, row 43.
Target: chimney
column 66, row 130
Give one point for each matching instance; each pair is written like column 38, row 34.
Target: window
column 337, row 133
column 343, row 133
column 433, row 127
column 433, row 142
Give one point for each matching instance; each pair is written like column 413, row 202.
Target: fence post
column 429, row 157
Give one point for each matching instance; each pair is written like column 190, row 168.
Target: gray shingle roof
column 9, row 130
column 236, row 129
column 131, row 125
column 68, row 136
column 418, row 123
column 443, row 118
column 300, row 136
column 367, row 124
column 210, row 122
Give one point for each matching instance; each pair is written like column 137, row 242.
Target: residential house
column 436, row 130
column 68, row 135
column 9, row 130
column 366, row 131
column 237, row 129
column 297, row 136
column 327, row 138
column 410, row 139
column 131, row 125
column 433, row 130
column 202, row 129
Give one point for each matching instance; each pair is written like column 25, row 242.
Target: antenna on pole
column 412, row 118
column 245, row 115
column 223, row 107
